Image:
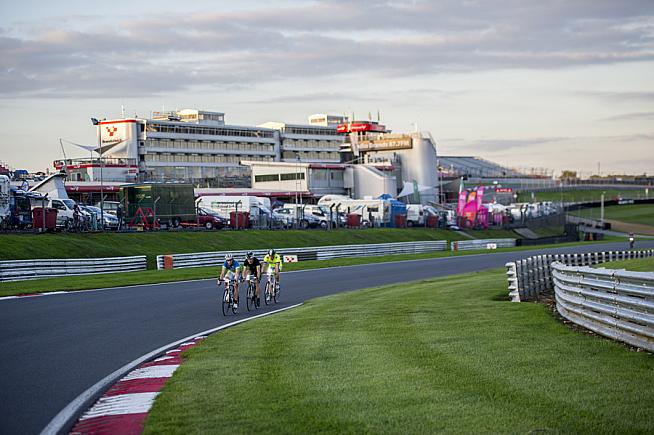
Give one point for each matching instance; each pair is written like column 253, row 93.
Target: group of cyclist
column 252, row 268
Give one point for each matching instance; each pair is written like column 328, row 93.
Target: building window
column 268, row 177
column 293, row 176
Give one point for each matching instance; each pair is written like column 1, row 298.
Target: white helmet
column 229, row 257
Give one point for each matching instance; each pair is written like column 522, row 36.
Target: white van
column 415, row 215
column 223, row 205
column 5, row 212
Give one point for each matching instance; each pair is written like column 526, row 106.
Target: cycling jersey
column 235, row 266
column 252, row 265
column 272, row 261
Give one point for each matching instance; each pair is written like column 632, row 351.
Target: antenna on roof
column 378, row 117
column 122, row 111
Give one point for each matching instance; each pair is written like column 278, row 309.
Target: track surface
column 55, row 347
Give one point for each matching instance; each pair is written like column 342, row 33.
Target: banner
column 463, row 196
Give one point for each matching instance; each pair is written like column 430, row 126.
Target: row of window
column 208, row 145
column 311, row 155
column 202, row 158
column 205, row 176
column 299, row 143
column 279, row 177
column 325, row 131
column 154, row 127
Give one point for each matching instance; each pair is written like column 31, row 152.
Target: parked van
column 374, row 212
column 415, row 215
column 5, row 212
column 224, row 205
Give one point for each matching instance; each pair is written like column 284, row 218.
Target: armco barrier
column 469, row 245
column 199, row 259
column 529, row 277
column 614, row 303
column 16, row 270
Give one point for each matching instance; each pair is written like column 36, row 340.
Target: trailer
column 152, row 204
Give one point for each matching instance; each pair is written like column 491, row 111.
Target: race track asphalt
column 55, row 347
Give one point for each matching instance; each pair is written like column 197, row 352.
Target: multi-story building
column 198, row 147
column 307, row 143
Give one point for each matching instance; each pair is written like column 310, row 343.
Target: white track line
column 134, row 403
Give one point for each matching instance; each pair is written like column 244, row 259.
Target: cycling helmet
column 271, row 252
column 250, row 254
column 229, row 257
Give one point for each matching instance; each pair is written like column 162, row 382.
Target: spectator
column 119, row 215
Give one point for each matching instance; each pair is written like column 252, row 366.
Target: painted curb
column 64, row 421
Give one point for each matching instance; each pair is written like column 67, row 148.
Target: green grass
column 635, row 265
column 28, row 246
column 633, row 213
column 550, row 231
column 580, row 195
column 444, row 355
column 86, row 282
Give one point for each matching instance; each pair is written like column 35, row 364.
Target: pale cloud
column 161, row 53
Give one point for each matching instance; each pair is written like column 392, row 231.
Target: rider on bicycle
column 273, row 261
column 252, row 266
column 231, row 270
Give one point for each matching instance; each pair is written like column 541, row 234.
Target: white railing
column 16, row 270
column 470, row 245
column 199, row 259
column 529, row 277
column 614, row 303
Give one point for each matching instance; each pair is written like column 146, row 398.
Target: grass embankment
column 86, row 282
column 642, row 214
column 26, row 246
column 635, row 265
column 580, row 195
column 444, row 355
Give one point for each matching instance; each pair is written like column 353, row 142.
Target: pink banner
column 463, row 196
column 480, row 196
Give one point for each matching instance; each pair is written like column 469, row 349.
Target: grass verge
column 444, row 355
column 581, row 195
column 635, row 265
column 27, row 246
column 87, row 282
column 642, row 214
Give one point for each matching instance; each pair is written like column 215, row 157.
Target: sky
column 560, row 84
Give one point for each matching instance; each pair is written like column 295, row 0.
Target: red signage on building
column 360, row 126
column 503, row 190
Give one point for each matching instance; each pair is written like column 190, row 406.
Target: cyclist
column 252, row 266
column 231, row 270
column 631, row 240
column 273, row 261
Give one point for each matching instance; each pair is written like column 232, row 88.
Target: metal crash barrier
column 615, row 303
column 479, row 244
column 17, row 270
column 529, row 277
column 199, row 259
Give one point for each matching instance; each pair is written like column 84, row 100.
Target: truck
column 169, row 204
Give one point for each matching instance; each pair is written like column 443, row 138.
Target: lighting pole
column 96, row 122
column 602, row 209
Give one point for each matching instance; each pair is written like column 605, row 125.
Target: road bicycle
column 272, row 287
column 251, row 298
column 228, row 297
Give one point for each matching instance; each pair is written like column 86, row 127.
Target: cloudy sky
column 561, row 84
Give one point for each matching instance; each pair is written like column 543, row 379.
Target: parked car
column 110, row 221
column 109, row 206
column 210, row 219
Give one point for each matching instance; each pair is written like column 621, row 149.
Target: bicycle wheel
column 250, row 298
column 276, row 293
column 234, row 306
column 226, row 301
column 266, row 295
